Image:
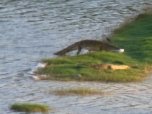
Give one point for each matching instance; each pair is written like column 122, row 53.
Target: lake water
column 31, row 30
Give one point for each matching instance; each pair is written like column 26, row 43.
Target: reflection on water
column 34, row 29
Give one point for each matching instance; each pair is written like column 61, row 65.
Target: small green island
column 30, row 107
column 135, row 37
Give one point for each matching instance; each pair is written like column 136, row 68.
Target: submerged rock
column 40, row 77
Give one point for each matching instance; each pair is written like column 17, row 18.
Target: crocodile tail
column 67, row 49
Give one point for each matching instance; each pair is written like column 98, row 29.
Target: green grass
column 134, row 37
column 29, row 107
column 78, row 91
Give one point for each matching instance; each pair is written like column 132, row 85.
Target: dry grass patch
column 78, row 91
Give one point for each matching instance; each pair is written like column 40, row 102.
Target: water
column 34, row 29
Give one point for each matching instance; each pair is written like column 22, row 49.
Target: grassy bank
column 135, row 38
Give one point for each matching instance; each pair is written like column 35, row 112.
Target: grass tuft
column 78, row 91
column 29, row 107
